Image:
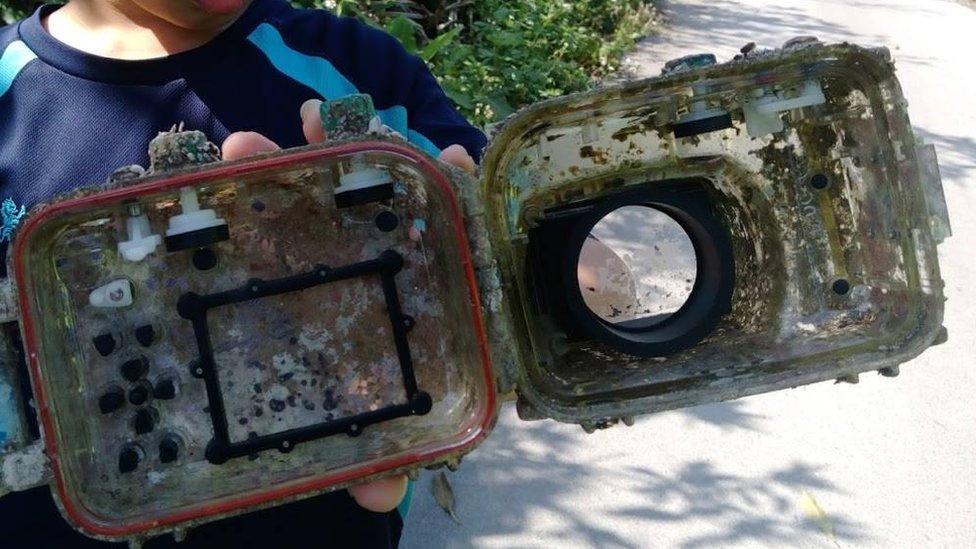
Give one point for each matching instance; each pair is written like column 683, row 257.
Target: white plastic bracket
column 762, row 113
column 141, row 241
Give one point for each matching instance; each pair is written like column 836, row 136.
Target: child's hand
column 383, row 495
column 242, row 144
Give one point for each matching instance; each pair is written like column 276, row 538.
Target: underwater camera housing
column 208, row 339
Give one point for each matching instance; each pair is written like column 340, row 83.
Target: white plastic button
column 141, row 241
column 192, row 217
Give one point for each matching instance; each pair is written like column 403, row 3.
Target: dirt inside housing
column 283, row 362
column 830, row 279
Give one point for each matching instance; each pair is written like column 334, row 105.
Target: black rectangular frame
column 194, row 307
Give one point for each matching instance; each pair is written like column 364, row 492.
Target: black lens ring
column 710, row 298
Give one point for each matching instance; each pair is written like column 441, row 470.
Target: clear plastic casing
column 297, row 347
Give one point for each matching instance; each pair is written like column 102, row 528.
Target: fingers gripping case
column 210, row 338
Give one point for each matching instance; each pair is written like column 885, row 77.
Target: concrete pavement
column 891, row 463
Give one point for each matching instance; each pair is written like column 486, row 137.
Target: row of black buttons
column 106, row 343
column 132, row 454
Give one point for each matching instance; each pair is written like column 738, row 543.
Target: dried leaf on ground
column 444, row 495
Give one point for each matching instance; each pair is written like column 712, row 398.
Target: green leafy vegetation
column 494, row 56
column 12, row 10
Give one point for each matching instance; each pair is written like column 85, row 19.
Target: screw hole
column 841, row 286
column 819, row 181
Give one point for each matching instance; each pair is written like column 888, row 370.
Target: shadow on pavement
column 721, row 23
column 739, row 509
column 726, row 415
column 957, row 155
column 528, row 469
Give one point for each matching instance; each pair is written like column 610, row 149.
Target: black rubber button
column 104, row 344
column 365, row 195
column 112, row 400
column 705, row 125
column 387, row 221
column 128, row 460
column 146, row 335
column 204, row 259
column 144, row 422
column 169, row 450
column 135, row 369
column 421, row 403
column 139, row 395
column 197, row 239
column 165, row 389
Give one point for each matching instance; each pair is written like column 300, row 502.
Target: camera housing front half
column 208, row 338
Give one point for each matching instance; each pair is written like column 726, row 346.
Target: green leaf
column 500, row 106
column 406, row 31
column 461, row 98
column 435, row 46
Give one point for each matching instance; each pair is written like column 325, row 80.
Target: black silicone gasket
column 194, row 307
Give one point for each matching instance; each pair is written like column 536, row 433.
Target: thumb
column 459, row 157
column 244, row 144
column 380, row 496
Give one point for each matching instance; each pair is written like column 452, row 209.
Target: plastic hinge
column 931, row 181
column 24, row 468
column 9, row 309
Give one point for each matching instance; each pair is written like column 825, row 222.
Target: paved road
column 892, row 463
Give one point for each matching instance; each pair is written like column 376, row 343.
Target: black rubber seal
column 710, row 298
column 194, row 307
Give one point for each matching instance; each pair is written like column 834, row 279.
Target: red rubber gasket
column 90, row 523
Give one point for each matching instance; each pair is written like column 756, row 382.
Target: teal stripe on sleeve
column 15, row 57
column 421, row 141
column 395, row 117
column 320, row 75
column 315, row 72
column 404, row 507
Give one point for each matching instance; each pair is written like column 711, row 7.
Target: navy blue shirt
column 68, row 119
